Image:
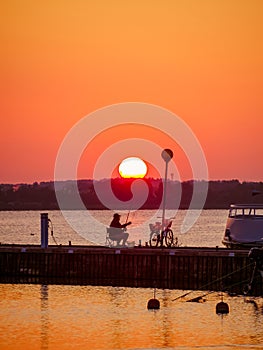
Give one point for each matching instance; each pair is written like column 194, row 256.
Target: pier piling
column 44, row 230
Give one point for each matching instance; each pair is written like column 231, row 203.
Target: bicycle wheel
column 169, row 238
column 154, row 240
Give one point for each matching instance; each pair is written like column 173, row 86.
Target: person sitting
column 119, row 230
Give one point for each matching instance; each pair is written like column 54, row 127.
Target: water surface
column 24, row 227
column 89, row 317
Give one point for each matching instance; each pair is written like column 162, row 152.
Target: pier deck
column 217, row 269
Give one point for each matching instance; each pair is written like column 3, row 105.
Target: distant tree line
column 42, row 196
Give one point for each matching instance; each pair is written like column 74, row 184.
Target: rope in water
column 50, row 225
column 213, row 291
column 217, row 280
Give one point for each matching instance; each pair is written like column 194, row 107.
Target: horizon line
column 129, row 179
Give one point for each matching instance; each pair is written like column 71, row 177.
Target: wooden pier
column 215, row 269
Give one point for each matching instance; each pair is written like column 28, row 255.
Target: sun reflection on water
column 90, row 317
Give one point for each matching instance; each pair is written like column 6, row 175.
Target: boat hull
column 244, row 226
column 232, row 244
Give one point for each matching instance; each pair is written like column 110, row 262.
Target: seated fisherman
column 119, row 230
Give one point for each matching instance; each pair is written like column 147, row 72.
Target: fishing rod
column 127, row 216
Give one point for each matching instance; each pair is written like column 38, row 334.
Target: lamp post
column 167, row 155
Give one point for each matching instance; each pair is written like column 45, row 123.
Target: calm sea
column 24, row 226
column 90, row 317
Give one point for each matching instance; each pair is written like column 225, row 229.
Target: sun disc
column 132, row 167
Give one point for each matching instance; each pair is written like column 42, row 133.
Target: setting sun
column 132, row 167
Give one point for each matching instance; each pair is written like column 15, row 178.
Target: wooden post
column 44, row 230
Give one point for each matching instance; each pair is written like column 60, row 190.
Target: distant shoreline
column 105, row 209
column 42, row 196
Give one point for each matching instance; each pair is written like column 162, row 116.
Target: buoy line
column 50, row 225
column 217, row 280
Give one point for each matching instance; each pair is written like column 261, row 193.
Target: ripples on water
column 88, row 317
column 24, row 227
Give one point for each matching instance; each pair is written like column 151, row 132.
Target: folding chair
column 110, row 241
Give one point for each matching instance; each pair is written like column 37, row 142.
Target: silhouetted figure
column 119, row 230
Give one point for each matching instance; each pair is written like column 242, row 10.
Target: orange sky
column 61, row 60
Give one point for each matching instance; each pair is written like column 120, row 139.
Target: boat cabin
column 246, row 210
column 244, row 226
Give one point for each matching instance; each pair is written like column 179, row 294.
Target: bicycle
column 159, row 236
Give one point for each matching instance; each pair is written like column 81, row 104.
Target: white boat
column 244, row 227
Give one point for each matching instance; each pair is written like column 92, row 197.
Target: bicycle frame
column 159, row 236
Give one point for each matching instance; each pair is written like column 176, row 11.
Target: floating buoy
column 222, row 308
column 153, row 304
